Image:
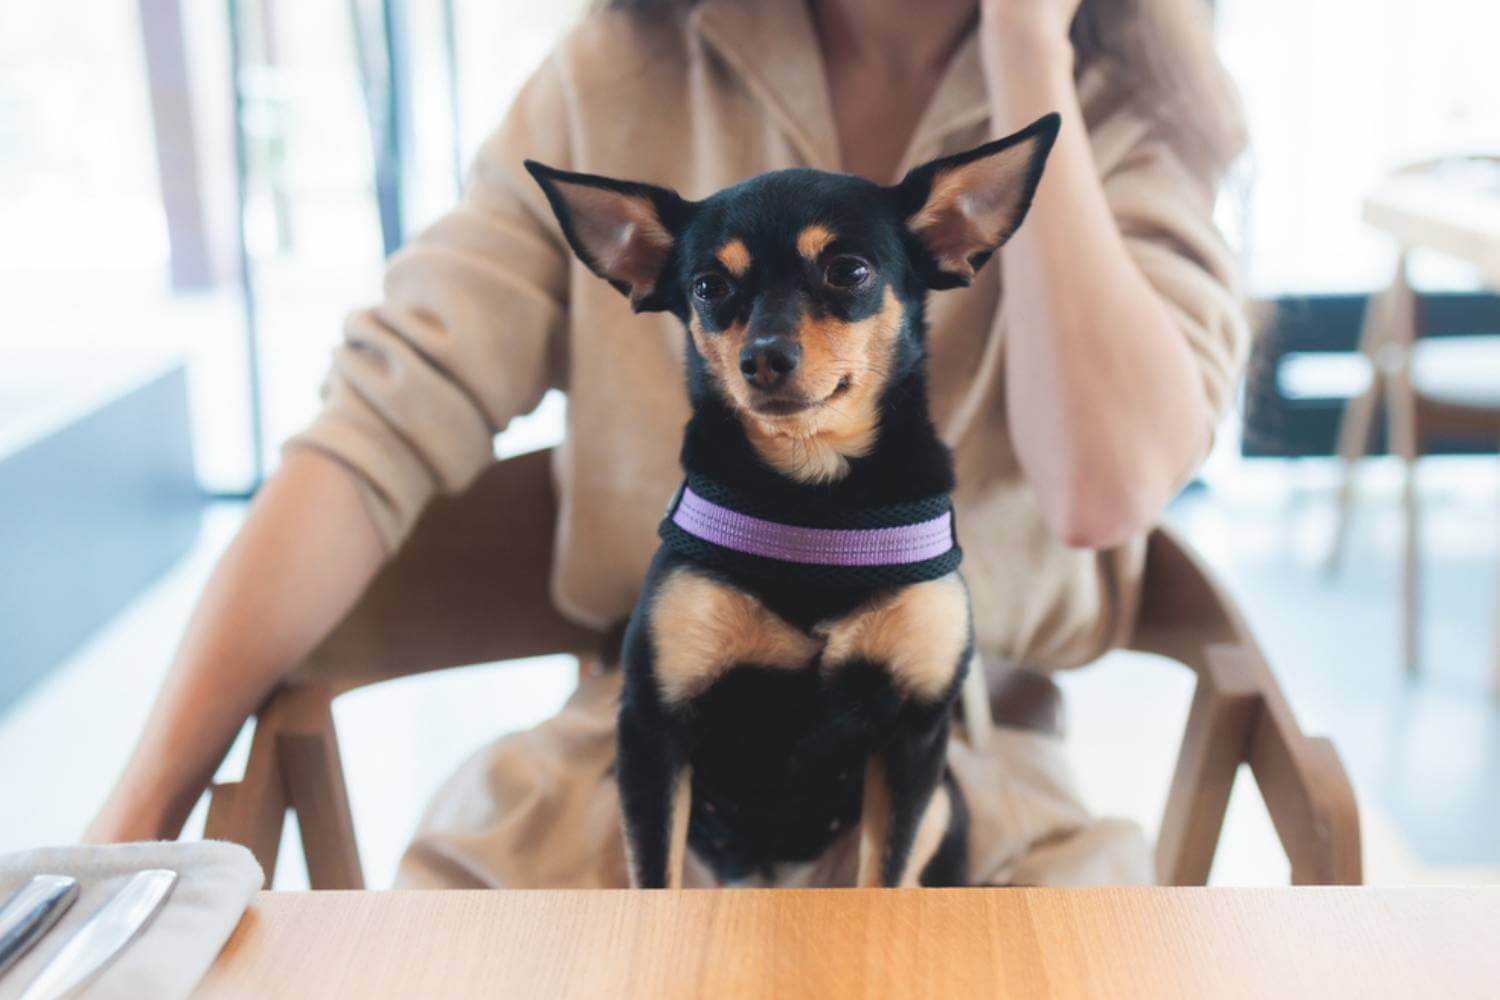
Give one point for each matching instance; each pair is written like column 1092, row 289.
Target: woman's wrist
column 148, row 802
column 1024, row 37
column 1028, row 73
column 121, row 822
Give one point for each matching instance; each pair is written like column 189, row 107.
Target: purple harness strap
column 911, row 543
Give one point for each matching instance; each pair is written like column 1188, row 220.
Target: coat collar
column 773, row 47
column 960, row 102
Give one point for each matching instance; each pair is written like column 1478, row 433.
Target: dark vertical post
column 275, row 160
column 382, row 75
column 192, row 265
column 390, row 176
column 455, row 106
column 247, row 283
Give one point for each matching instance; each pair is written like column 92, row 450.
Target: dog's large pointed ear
column 963, row 207
column 624, row 231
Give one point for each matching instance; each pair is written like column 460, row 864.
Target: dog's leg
column 906, row 809
column 874, row 823
column 655, row 798
column 688, row 630
column 922, row 639
column 948, row 863
column 975, row 699
column 682, row 807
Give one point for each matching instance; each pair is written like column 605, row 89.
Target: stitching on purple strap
column 730, row 529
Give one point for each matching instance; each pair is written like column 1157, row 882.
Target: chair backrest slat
column 1183, row 611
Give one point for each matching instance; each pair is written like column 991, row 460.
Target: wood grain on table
column 1115, row 943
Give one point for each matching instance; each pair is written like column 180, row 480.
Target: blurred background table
column 1450, row 205
column 1429, row 386
column 1117, row 943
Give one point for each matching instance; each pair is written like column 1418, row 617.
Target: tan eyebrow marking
column 813, row 240
column 735, row 257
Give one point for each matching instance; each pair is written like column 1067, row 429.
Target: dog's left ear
column 623, row 230
column 963, row 207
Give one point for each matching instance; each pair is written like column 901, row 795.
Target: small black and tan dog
column 794, row 660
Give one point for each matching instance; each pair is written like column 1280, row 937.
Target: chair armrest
column 251, row 812
column 294, row 763
column 1303, row 783
column 1223, row 715
column 1239, row 716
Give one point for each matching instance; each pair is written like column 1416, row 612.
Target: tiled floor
column 1424, row 753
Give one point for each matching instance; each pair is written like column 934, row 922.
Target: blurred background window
column 106, row 106
column 1339, row 94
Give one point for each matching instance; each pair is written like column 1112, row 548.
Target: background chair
column 1437, row 387
column 459, row 592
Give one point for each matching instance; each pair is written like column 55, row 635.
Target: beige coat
column 487, row 309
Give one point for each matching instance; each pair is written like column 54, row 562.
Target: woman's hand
column 1023, row 43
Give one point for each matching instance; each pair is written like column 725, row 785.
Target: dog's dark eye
column 846, row 272
column 710, row 287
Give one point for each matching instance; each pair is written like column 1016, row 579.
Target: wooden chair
column 1429, row 391
column 461, row 593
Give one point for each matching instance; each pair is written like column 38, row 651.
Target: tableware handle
column 30, row 912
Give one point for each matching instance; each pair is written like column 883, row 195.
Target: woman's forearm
column 305, row 553
column 1106, row 406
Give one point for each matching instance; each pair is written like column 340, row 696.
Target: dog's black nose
column 767, row 361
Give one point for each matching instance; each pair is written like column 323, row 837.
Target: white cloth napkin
column 215, row 881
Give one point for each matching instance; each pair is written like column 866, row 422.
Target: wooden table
column 1116, row 943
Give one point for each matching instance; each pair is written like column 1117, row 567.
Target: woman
column 1077, row 403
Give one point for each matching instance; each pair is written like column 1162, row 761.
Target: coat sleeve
column 1165, row 211
column 467, row 335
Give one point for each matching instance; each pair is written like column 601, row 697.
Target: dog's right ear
column 623, row 230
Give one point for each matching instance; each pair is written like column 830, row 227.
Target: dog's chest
column 703, row 628
column 782, row 719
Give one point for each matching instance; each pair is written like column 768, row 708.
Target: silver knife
column 108, row 931
column 30, row 912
